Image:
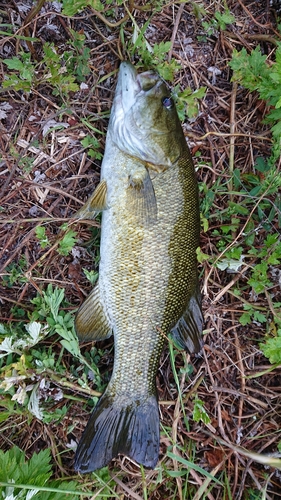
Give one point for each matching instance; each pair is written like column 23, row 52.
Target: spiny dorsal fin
column 95, row 204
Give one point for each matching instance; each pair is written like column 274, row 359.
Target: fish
column 148, row 282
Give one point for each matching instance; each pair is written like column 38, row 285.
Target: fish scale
column 148, row 284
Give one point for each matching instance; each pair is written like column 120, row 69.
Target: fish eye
column 167, row 102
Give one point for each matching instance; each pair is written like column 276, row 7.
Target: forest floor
column 54, row 107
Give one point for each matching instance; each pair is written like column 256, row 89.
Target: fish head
column 144, row 121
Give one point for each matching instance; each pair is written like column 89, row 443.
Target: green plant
column 40, row 232
column 91, row 276
column 25, row 75
column 65, row 243
column 26, row 479
column 272, row 347
column 187, row 101
column 218, row 22
column 23, row 72
column 60, row 71
column 25, row 376
column 71, row 7
column 199, row 412
column 92, row 144
column 258, row 211
column 255, row 74
column 14, row 273
column 77, row 58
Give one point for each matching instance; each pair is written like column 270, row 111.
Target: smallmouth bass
column 148, row 281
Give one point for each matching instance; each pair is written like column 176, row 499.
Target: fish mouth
column 130, row 84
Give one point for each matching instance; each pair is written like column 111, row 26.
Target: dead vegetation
column 46, row 175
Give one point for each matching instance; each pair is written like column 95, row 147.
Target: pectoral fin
column 141, row 200
column 91, row 322
column 95, row 204
column 187, row 333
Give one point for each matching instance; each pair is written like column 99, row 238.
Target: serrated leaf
column 272, row 350
column 245, row 319
column 67, row 242
column 231, row 264
column 33, row 403
column 14, row 63
column 34, row 330
column 260, row 317
column 6, row 347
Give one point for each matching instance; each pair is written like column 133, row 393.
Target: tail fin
column 130, row 428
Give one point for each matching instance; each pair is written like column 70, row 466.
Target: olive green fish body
column 148, row 283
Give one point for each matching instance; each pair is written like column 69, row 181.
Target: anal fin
column 91, row 322
column 187, row 333
column 95, row 203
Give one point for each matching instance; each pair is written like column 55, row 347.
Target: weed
column 25, row 375
column 67, row 242
column 199, row 412
column 218, row 22
column 40, row 232
column 71, row 7
column 91, row 276
column 23, row 72
column 187, row 101
column 77, row 58
column 92, row 145
column 14, row 273
column 60, row 71
column 255, row 74
column 26, row 479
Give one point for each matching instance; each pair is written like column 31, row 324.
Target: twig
column 232, row 138
column 174, row 34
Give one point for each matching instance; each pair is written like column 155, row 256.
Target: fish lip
column 148, row 80
column 142, row 81
column 130, row 84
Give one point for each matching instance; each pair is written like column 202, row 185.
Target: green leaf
column 249, row 69
column 14, row 63
column 260, row 317
column 245, row 318
column 67, row 243
column 272, row 350
column 40, row 232
column 23, row 479
column 199, row 412
column 224, row 19
column 191, row 465
column 92, row 276
column 35, row 471
column 71, row 7
column 70, row 340
column 231, row 264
